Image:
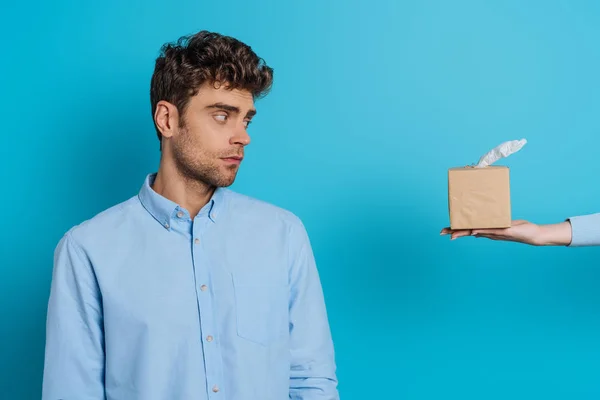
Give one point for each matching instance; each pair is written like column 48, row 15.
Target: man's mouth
column 233, row 159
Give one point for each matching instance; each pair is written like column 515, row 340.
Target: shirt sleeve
column 74, row 354
column 585, row 230
column 313, row 370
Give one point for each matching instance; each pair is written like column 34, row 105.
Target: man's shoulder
column 104, row 223
column 242, row 204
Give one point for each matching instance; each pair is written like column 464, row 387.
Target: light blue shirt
column 585, row 230
column 147, row 304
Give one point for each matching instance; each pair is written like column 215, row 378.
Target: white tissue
column 503, row 150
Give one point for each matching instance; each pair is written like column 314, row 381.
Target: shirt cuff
column 585, row 230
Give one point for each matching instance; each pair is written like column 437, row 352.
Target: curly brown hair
column 184, row 66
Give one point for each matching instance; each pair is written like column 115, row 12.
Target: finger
column 492, row 237
column 461, row 233
column 448, row 230
column 489, row 231
column 483, row 236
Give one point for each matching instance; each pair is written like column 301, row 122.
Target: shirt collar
column 164, row 210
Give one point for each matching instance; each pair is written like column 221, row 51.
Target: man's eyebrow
column 230, row 108
column 223, row 106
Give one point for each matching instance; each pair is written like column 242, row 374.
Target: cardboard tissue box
column 479, row 195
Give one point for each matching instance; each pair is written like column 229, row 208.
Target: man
column 189, row 291
column 579, row 231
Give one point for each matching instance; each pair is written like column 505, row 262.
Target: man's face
column 210, row 146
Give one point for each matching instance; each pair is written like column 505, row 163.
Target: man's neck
column 188, row 193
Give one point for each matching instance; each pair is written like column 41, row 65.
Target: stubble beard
column 199, row 166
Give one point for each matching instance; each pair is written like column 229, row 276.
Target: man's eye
column 246, row 123
column 221, row 117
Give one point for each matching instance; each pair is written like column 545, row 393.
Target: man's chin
column 225, row 182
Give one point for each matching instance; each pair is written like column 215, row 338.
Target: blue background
column 373, row 101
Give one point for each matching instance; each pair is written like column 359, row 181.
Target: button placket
column 205, row 306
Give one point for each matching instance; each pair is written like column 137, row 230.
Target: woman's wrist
column 556, row 234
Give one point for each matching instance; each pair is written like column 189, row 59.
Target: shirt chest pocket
column 261, row 310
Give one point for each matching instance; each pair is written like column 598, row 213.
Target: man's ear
column 166, row 118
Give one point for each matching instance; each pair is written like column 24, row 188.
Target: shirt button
column 215, row 389
column 166, row 225
column 209, row 338
column 203, row 288
column 196, row 240
column 180, row 214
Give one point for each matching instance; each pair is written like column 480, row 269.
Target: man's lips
column 233, row 159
